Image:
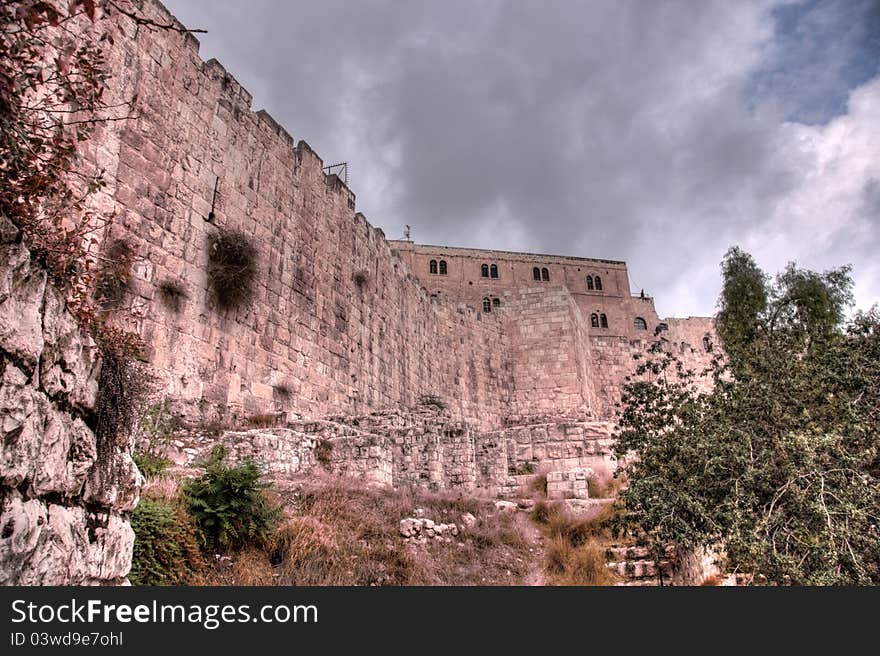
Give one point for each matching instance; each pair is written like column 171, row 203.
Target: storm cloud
column 660, row 133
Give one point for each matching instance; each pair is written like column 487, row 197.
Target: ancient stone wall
column 549, row 354
column 336, row 322
column 421, row 449
column 340, row 320
column 64, row 493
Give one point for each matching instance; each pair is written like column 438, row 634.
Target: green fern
column 228, row 503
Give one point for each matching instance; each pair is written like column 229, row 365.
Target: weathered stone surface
column 22, row 286
column 40, row 444
column 50, row 544
column 69, row 358
column 51, row 465
column 114, row 481
column 569, row 483
column 420, row 529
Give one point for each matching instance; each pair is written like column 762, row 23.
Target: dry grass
column 584, row 564
column 340, row 535
column 575, row 547
column 712, row 581
column 603, row 487
column 539, row 484
column 160, row 487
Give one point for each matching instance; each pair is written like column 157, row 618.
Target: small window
column 494, row 270
column 589, row 282
column 442, row 267
column 487, row 305
column 536, row 273
column 432, row 267
column 707, row 343
column 598, row 284
column 640, row 324
column 603, row 320
column 594, row 320
column 484, row 271
column 545, row 275
column 496, row 302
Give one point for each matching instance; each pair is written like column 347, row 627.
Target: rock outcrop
column 64, row 494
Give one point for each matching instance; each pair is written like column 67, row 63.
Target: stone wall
column 424, row 448
column 549, row 353
column 569, row 483
column 337, row 323
column 341, row 320
column 64, row 493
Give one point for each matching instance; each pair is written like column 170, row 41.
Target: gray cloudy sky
column 656, row 132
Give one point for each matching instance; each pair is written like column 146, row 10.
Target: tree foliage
column 778, row 464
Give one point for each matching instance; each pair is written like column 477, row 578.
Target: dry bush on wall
column 114, row 275
column 172, row 294
column 361, row 278
column 124, row 386
column 232, row 268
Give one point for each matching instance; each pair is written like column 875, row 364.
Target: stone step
column 619, row 553
column 640, row 569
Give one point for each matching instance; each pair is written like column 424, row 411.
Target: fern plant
column 228, row 503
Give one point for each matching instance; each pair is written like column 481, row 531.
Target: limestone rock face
column 52, row 544
column 22, row 286
column 62, row 493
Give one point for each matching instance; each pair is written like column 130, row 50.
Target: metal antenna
column 341, row 171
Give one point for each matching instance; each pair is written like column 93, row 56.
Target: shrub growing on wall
column 232, row 268
column 172, row 294
column 123, row 387
column 114, row 275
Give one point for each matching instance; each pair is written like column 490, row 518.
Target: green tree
column 778, row 464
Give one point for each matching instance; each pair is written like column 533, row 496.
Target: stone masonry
column 342, row 321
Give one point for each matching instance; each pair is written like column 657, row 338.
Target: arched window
column 707, row 343
column 545, row 275
column 432, row 267
column 536, row 273
column 494, row 270
column 594, row 320
column 484, row 270
column 603, row 320
column 487, row 305
column 442, row 267
column 640, row 324
column 496, row 302
column 589, row 282
column 598, row 284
